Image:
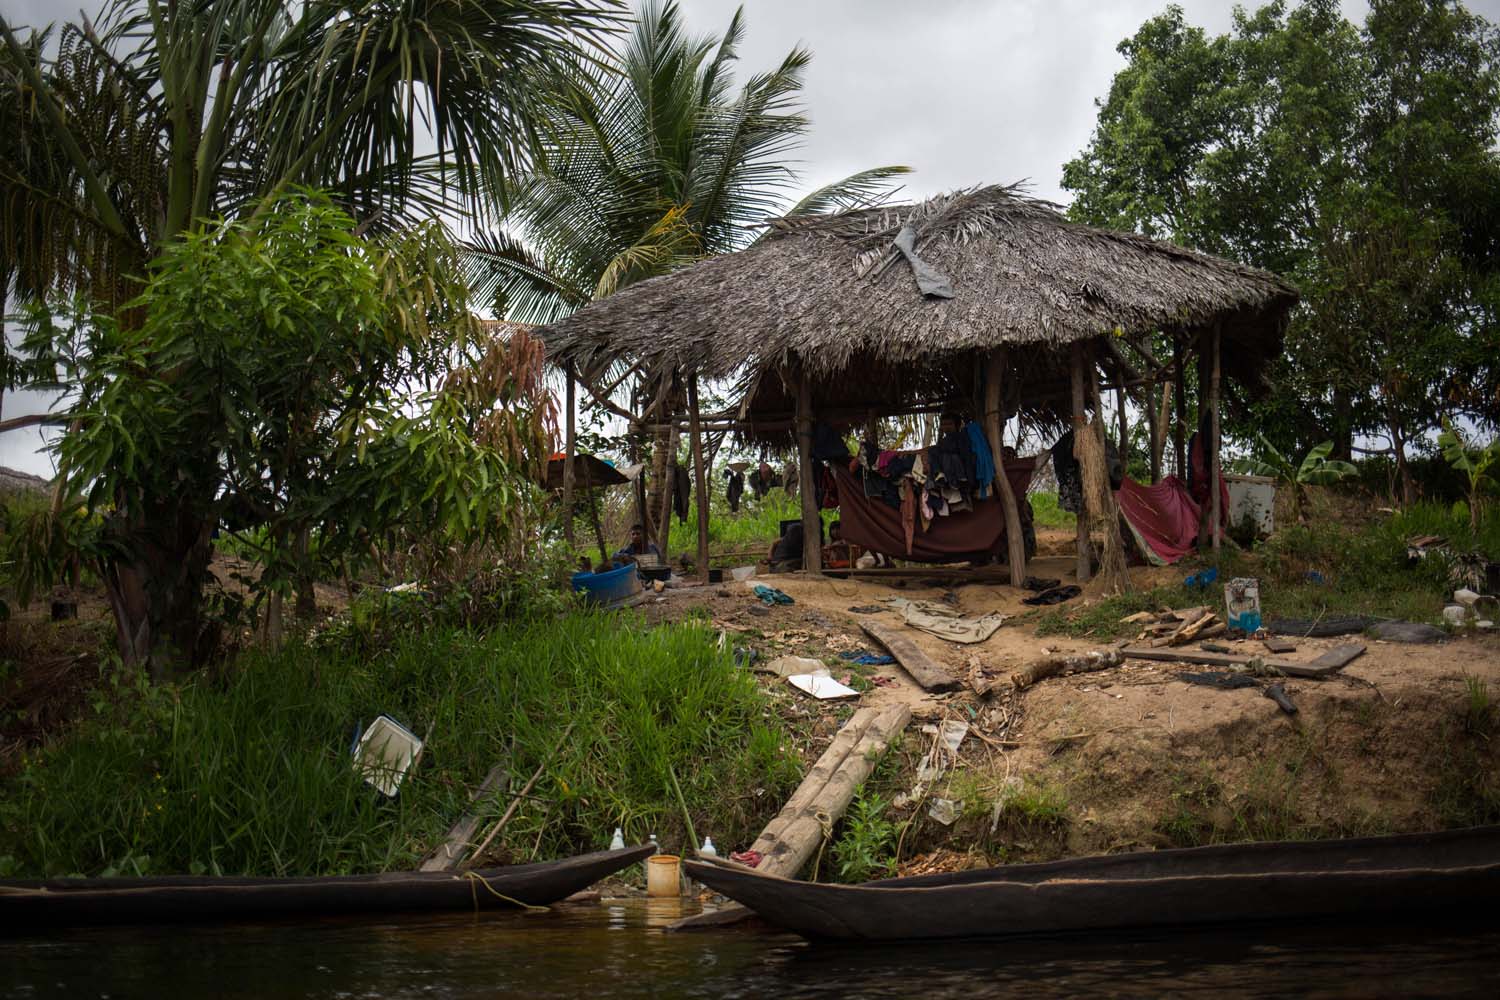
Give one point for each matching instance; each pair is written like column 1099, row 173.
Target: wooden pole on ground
column 1215, row 475
column 570, row 449
column 994, row 427
column 700, row 481
column 1085, row 558
column 451, row 853
column 812, row 534
column 525, row 790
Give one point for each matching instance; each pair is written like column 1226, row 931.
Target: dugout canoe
column 1455, row 873
column 28, row 904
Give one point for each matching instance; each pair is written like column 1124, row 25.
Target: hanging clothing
column 984, row 460
column 734, row 490
column 682, row 491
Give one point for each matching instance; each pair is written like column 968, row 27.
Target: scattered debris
column 385, row 754
column 1325, row 665
column 1053, row 595
column 867, row 659
column 945, row 811
column 790, row 666
column 1242, row 604
column 1037, row 584
column 1201, row 579
column 946, row 622
column 821, row 685
column 1279, row 646
column 770, row 595
column 1321, row 628
column 1278, row 694
column 1413, row 632
column 868, row 609
column 1224, row 680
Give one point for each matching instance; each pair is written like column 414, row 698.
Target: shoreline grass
column 251, row 773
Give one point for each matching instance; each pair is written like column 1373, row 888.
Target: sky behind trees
column 963, row 91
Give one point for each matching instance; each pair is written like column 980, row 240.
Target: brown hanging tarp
column 875, row 525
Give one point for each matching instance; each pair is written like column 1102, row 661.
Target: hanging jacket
column 984, row 461
column 734, row 490
column 682, row 492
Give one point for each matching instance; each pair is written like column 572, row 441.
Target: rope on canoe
column 476, row 880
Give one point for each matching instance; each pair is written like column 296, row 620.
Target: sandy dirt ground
column 1140, row 757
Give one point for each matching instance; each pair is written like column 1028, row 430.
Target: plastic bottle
column 707, row 850
column 617, row 842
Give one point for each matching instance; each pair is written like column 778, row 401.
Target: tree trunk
column 812, row 530
column 1403, row 471
column 570, row 449
column 157, row 595
column 1159, row 431
column 307, row 598
column 1124, row 429
column 994, row 427
column 1098, row 498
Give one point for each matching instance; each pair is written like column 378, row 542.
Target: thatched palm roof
column 832, row 293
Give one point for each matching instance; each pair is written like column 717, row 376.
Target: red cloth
column 1166, row 516
column 876, row 526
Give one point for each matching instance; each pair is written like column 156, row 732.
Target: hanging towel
column 984, row 461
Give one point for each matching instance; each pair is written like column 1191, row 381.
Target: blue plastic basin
column 608, row 589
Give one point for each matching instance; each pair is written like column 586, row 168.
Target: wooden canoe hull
column 1455, row 873
column 29, row 904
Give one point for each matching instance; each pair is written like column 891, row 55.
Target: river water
column 617, row 949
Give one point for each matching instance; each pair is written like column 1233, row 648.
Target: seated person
column 637, row 548
column 786, row 554
column 838, row 553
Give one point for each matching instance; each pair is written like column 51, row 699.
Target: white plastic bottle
column 707, row 850
column 617, row 842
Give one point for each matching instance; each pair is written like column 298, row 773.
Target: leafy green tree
column 1360, row 164
column 275, row 378
column 1480, row 465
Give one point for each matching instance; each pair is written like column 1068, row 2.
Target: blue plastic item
column 1202, row 578
column 608, row 589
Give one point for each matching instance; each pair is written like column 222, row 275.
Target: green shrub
column 866, row 849
column 251, row 773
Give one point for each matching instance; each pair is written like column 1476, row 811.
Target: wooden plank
column 915, row 662
column 1277, row 645
column 816, row 779
column 453, row 850
column 1326, row 665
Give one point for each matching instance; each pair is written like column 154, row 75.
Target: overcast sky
column 963, row 91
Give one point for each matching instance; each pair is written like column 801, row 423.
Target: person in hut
column 637, row 548
column 839, row 553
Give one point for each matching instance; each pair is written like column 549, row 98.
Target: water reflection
column 616, row 949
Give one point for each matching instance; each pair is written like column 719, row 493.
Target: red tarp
column 1165, row 517
column 978, row 534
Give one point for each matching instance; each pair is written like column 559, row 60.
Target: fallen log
column 915, row 662
column 817, row 778
column 1075, row 663
column 1325, row 665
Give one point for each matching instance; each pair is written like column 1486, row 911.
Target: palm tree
column 163, row 115
column 649, row 168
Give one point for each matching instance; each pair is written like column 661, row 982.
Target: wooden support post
column 1124, row 429
column 812, row 533
column 1180, row 402
column 1080, row 427
column 994, row 427
column 1153, row 431
column 1099, row 497
column 700, row 481
column 570, row 449
column 1215, row 475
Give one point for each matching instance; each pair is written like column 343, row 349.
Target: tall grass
column 252, row 774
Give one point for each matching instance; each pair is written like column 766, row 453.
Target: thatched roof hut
column 834, row 294
column 980, row 294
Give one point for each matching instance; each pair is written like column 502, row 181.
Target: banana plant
column 1480, row 465
column 1315, row 469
